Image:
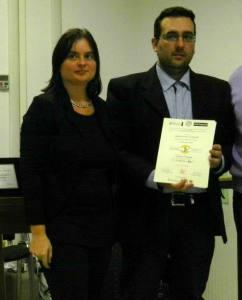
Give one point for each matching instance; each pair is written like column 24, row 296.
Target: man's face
column 174, row 49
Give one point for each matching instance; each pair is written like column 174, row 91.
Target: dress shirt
column 177, row 94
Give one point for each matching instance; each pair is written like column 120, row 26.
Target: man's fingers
column 183, row 185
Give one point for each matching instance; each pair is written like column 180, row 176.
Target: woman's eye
column 72, row 56
column 86, row 57
column 90, row 56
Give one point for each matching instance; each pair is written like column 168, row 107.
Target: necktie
column 181, row 105
column 177, row 102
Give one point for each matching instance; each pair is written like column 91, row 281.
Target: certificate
column 8, row 178
column 184, row 151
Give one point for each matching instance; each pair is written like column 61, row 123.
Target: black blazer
column 138, row 106
column 48, row 125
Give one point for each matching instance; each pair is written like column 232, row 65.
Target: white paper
column 184, row 151
column 8, row 178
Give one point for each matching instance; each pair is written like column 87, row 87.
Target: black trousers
column 237, row 206
column 77, row 272
column 185, row 235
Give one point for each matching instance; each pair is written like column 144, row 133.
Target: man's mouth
column 179, row 55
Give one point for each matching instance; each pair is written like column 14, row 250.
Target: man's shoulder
column 132, row 79
column 208, row 79
column 129, row 79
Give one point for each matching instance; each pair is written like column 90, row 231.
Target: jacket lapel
column 199, row 97
column 152, row 92
column 102, row 116
column 66, row 110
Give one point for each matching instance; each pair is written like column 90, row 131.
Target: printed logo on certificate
column 184, row 151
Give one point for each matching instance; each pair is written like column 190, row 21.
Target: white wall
column 219, row 44
column 42, row 29
column 115, row 26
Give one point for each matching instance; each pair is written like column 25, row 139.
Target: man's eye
column 188, row 37
column 172, row 37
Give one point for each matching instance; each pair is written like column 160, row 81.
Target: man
column 175, row 220
column 236, row 168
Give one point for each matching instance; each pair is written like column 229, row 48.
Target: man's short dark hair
column 176, row 11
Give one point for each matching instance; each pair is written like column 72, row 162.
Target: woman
column 68, row 172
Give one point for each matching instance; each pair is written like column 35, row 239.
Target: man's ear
column 154, row 42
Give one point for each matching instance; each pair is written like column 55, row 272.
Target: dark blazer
column 138, row 106
column 51, row 151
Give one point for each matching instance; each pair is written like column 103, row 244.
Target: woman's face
column 79, row 67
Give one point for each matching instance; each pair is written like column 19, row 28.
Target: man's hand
column 215, row 157
column 181, row 186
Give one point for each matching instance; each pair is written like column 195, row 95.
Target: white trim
column 22, row 57
column 13, row 60
column 56, row 20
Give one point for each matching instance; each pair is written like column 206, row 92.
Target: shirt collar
column 167, row 81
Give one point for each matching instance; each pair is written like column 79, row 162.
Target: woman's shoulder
column 41, row 108
column 43, row 103
column 40, row 117
column 46, row 98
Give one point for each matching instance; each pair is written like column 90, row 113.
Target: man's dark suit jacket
column 51, row 154
column 138, row 106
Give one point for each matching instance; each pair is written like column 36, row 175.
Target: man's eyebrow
column 176, row 31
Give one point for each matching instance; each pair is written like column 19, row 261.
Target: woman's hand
column 40, row 245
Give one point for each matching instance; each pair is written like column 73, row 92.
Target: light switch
column 4, row 83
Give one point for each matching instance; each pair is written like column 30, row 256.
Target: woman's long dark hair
column 60, row 53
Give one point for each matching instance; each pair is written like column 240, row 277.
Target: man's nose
column 180, row 42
